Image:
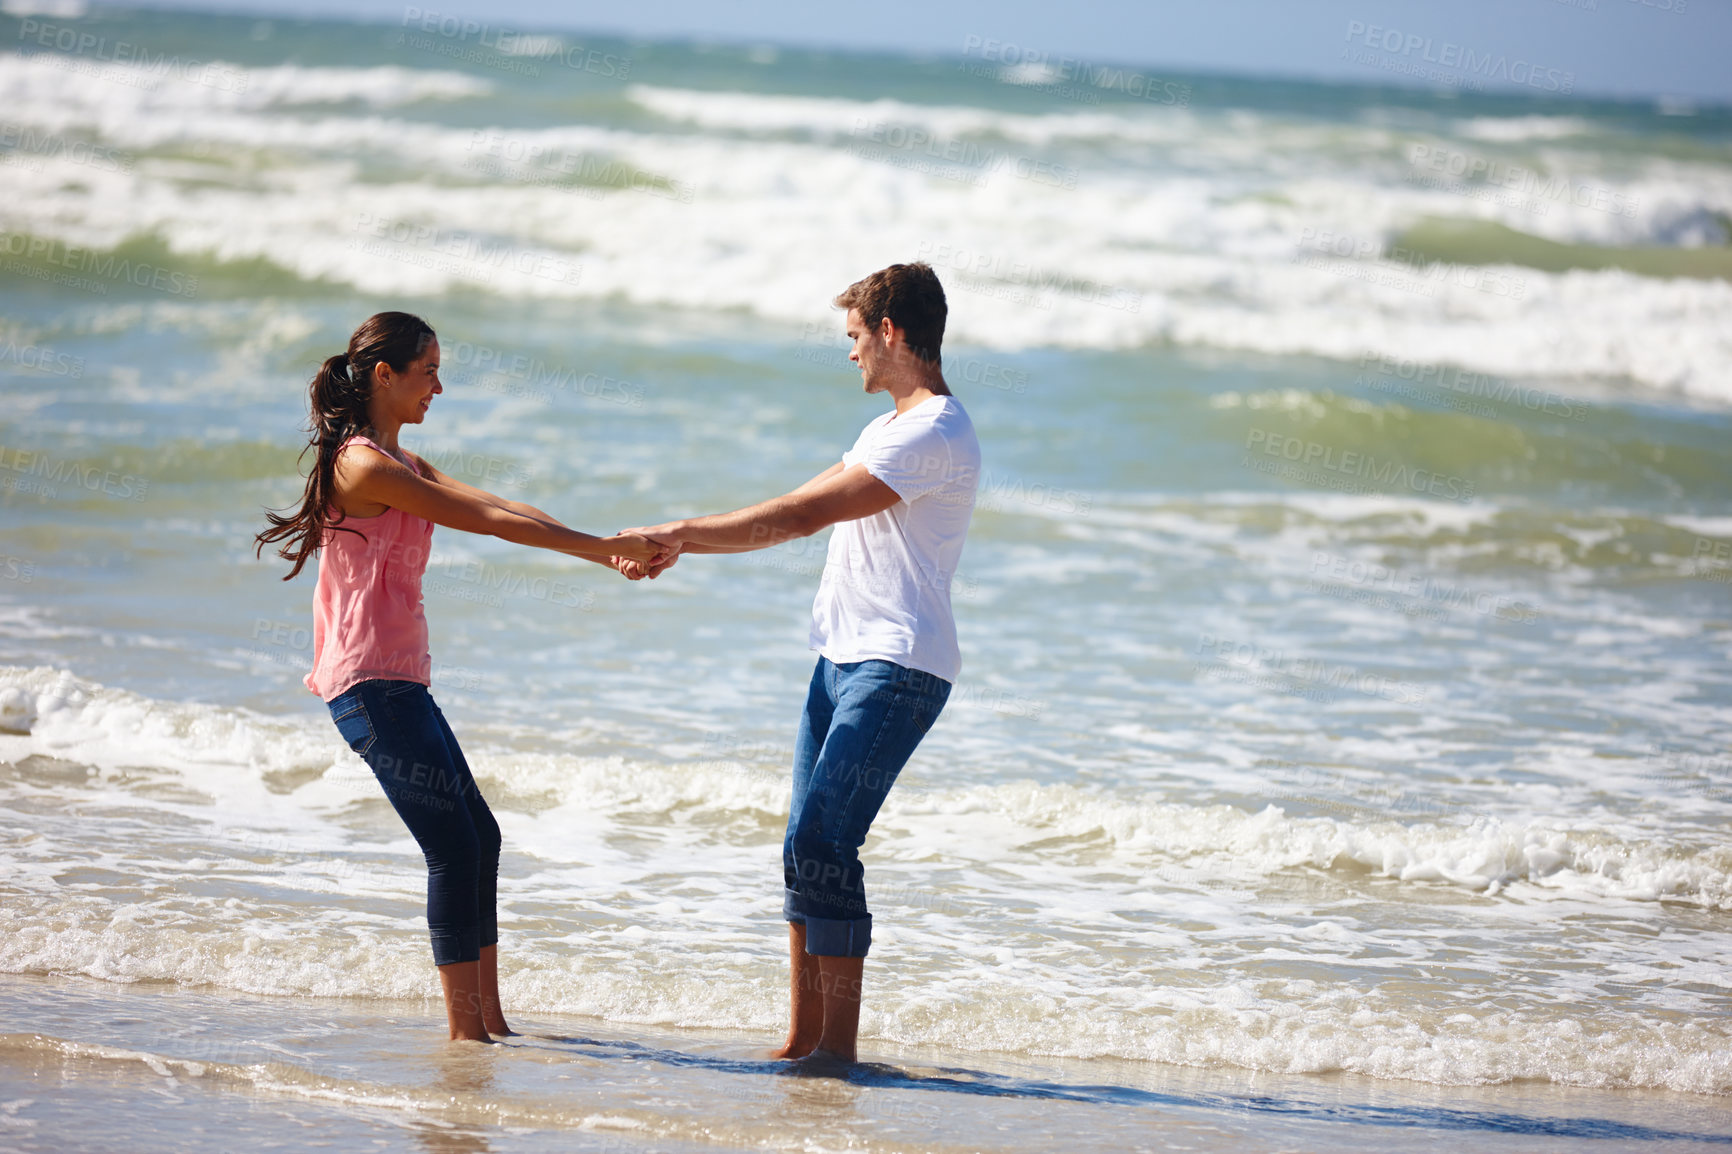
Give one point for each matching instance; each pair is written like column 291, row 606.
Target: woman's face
column 406, row 395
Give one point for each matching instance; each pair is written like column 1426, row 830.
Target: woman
column 369, row 511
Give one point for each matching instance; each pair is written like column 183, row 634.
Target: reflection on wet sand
column 468, row 1073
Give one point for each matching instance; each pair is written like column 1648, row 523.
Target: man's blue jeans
column 863, row 720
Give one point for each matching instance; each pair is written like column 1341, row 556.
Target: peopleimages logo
column 1310, row 677
column 994, row 273
column 463, row 31
column 1436, row 166
column 39, row 472
column 77, row 42
column 451, row 250
column 42, row 359
column 1328, row 464
column 21, row 140
column 492, row 153
column 1058, row 71
column 87, row 262
column 1439, row 377
column 1416, row 50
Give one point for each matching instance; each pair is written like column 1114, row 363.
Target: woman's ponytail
column 339, row 399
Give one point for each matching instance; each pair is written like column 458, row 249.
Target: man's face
column 869, row 350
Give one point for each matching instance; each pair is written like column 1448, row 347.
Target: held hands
column 664, row 538
column 637, row 549
column 638, row 570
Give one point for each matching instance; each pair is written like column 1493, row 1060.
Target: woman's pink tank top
column 367, row 618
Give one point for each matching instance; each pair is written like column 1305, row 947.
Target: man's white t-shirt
column 885, row 595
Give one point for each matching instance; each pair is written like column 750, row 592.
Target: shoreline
column 377, row 1072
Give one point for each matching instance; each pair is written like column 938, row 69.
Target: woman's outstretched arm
column 367, row 477
column 443, row 478
column 522, row 507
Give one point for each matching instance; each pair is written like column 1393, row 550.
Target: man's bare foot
column 805, row 1005
column 848, row 1059
column 819, row 1064
column 795, row 1048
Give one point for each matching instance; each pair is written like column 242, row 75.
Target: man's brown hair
column 910, row 295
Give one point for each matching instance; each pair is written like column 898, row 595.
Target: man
column 901, row 499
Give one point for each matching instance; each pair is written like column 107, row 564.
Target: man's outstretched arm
column 840, row 493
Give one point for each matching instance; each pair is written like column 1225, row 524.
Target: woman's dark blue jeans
column 399, row 732
column 862, row 723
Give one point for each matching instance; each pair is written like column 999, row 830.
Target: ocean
column 1342, row 755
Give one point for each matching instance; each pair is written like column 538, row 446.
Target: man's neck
column 918, row 390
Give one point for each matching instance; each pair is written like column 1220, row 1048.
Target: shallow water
column 1345, row 640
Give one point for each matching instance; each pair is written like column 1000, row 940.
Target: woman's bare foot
column 491, row 1013
column 461, row 983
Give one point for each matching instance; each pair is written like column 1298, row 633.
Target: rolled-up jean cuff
column 489, row 932
column 838, row 937
column 457, row 946
column 791, row 908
